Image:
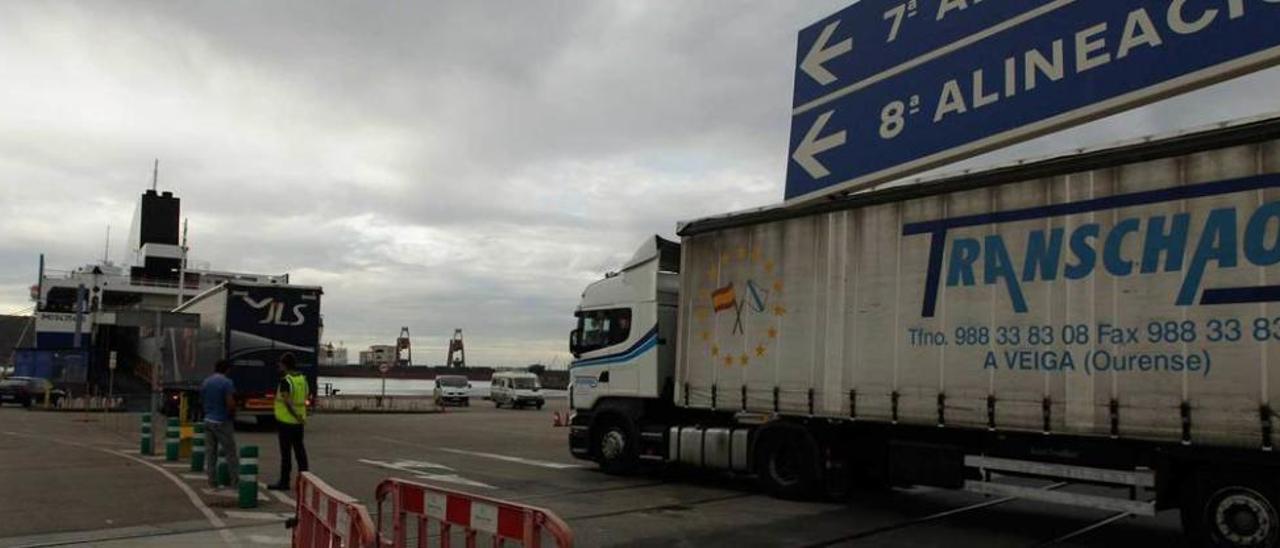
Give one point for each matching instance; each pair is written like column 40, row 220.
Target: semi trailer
column 1106, row 319
column 250, row 325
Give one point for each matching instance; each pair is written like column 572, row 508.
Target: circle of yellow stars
column 703, row 308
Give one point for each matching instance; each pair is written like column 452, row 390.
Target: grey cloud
column 432, row 164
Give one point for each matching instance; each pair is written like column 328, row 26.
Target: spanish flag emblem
column 723, row 298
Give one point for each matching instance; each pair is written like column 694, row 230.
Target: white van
column 455, row 389
column 516, row 389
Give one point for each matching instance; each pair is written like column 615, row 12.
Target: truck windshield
column 604, row 328
column 452, row 382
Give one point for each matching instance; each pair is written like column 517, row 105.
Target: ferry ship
column 105, row 326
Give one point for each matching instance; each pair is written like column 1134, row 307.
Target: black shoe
column 279, row 487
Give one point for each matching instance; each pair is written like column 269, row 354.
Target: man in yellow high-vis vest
column 291, row 418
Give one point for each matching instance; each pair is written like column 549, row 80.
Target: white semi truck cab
column 1099, row 330
column 625, row 350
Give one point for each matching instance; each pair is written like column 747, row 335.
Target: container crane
column 455, row 347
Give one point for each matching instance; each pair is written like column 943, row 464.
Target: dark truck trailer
column 1105, row 319
column 251, row 325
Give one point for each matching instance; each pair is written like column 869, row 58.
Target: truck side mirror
column 574, row 347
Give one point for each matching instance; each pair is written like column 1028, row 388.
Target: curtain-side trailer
column 251, row 325
column 1107, row 318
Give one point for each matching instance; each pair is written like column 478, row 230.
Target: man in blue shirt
column 218, row 394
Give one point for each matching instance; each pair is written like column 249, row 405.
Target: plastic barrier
column 425, row 515
column 328, row 518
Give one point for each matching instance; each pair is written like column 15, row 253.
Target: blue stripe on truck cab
column 647, row 342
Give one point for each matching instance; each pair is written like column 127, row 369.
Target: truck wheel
column 614, row 444
column 787, row 462
column 1232, row 510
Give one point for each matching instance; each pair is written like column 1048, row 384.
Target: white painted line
column 217, row 523
column 223, row 493
column 406, row 465
column 175, row 465
column 415, row 468
column 265, row 516
column 194, row 476
column 130, row 451
column 520, row 460
column 214, row 520
column 279, row 495
column 269, row 540
column 454, row 478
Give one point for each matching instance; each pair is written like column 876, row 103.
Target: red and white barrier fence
column 423, row 515
column 329, row 518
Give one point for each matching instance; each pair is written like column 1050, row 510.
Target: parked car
column 516, row 390
column 455, row 389
column 26, row 391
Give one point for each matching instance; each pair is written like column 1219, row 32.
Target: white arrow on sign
column 812, row 146
column 820, row 53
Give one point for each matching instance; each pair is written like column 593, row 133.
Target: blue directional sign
column 997, row 76
column 873, row 36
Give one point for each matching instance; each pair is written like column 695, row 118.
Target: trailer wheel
column 1232, row 510
column 614, row 444
column 787, row 462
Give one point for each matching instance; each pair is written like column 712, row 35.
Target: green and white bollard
column 249, row 476
column 145, row 447
column 197, row 448
column 224, row 475
column 172, row 439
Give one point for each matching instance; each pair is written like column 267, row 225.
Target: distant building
column 333, row 355
column 379, row 354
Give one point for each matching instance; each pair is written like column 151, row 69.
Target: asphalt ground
column 69, row 478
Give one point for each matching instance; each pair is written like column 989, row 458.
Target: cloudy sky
column 434, row 164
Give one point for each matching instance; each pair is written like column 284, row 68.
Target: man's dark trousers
column 290, row 444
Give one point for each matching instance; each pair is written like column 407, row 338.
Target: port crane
column 456, row 348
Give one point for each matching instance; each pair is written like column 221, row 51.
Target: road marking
column 175, row 465
column 217, row 493
column 266, row 516
column 269, row 540
column 403, row 464
column 417, row 470
column 214, row 520
column 194, row 476
column 520, row 460
column 1088, row 529
column 279, row 495
column 226, row 493
column 923, row 519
